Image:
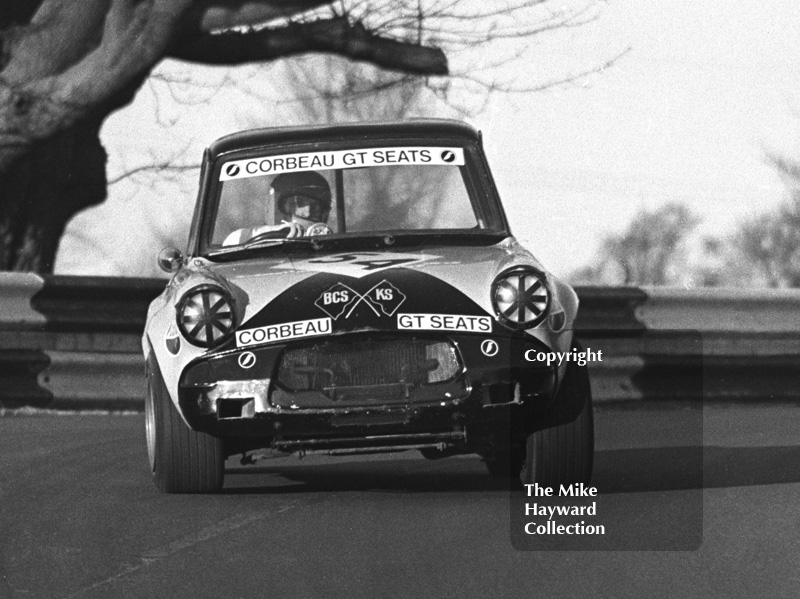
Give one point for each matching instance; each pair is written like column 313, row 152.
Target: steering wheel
column 318, row 229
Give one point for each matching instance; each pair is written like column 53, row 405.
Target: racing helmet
column 305, row 195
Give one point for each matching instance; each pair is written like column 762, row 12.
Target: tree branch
column 216, row 15
column 787, row 167
column 335, row 36
column 160, row 167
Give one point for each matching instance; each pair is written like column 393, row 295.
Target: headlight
column 520, row 297
column 205, row 315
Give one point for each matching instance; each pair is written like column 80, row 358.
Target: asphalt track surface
column 79, row 517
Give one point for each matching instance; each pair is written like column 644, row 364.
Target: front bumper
column 243, row 395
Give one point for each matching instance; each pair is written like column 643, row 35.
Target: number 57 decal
column 359, row 264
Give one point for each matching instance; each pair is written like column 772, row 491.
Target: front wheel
column 181, row 460
column 563, row 454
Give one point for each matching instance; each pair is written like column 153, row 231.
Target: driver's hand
column 294, row 230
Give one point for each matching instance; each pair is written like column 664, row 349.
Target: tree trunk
column 44, row 188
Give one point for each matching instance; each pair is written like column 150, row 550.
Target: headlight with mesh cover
column 206, row 315
column 521, row 297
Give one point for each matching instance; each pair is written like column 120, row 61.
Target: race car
column 356, row 289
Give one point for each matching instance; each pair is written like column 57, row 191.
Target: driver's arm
column 281, row 231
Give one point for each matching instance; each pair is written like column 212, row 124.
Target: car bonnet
column 366, row 288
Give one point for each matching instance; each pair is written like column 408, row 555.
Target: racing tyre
column 181, row 460
column 563, row 454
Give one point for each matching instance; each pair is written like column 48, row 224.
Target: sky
column 701, row 93
column 687, row 114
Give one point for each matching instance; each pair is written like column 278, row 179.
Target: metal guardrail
column 712, row 344
column 75, row 342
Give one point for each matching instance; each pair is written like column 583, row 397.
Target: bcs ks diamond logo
column 383, row 298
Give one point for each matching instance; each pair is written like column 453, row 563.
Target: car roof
column 411, row 128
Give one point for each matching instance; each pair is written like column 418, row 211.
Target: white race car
column 356, row 289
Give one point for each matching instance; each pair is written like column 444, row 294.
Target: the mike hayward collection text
column 551, row 527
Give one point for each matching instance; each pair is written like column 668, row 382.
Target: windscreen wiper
column 264, row 243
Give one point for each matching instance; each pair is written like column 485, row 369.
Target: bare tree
column 769, row 245
column 66, row 66
column 647, row 252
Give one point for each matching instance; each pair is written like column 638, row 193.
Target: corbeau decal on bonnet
column 307, row 161
column 361, row 264
column 287, row 330
column 383, row 298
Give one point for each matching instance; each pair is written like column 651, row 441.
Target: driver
column 303, row 201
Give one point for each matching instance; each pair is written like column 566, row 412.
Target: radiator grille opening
column 357, row 368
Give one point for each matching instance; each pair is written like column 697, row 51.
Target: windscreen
column 395, row 189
